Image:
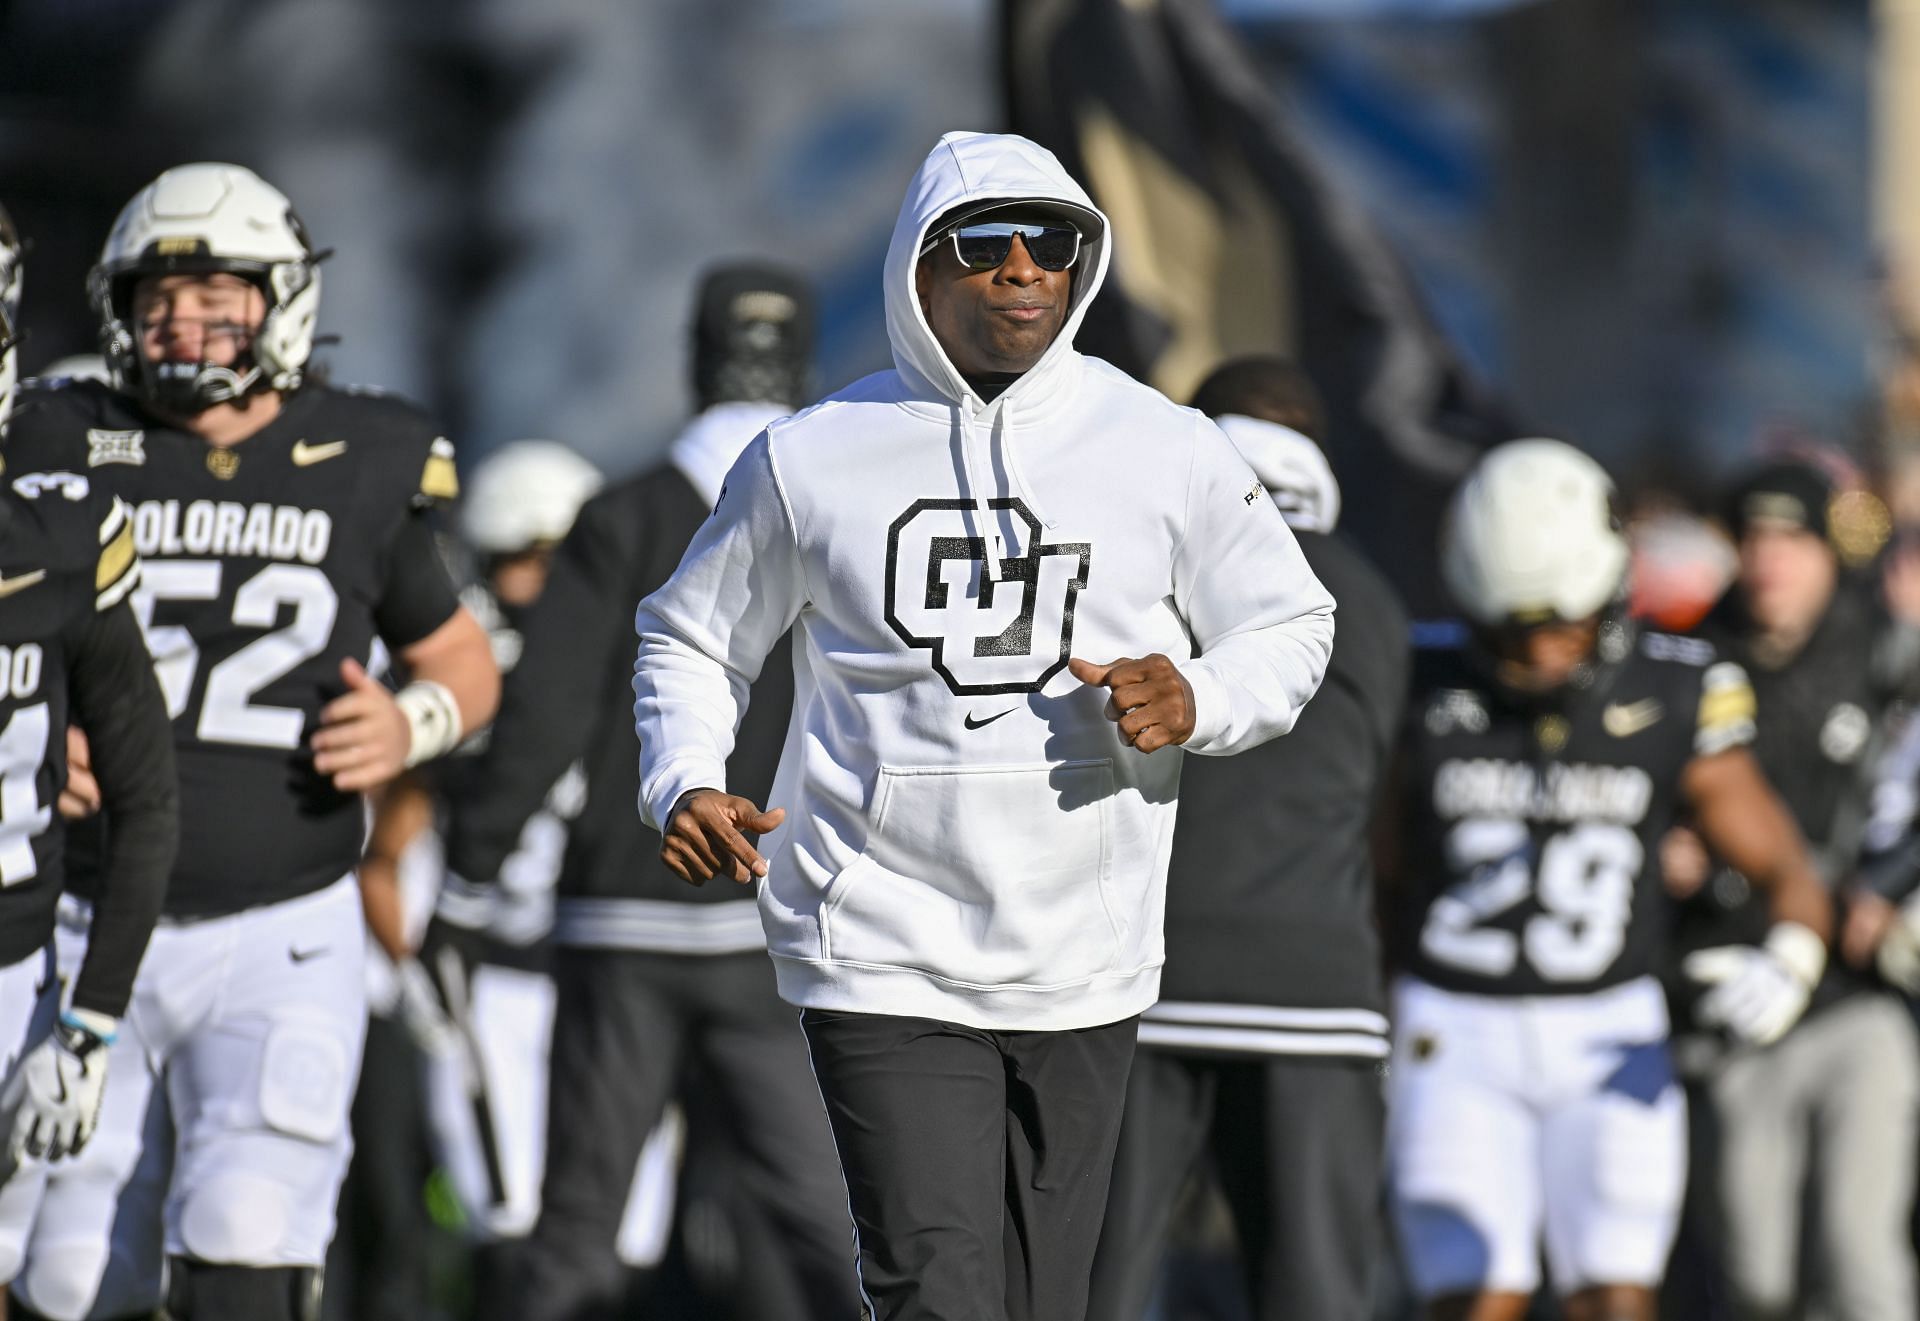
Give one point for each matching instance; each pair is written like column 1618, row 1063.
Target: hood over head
column 976, row 172
column 972, row 172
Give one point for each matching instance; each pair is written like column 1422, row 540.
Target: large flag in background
column 1228, row 241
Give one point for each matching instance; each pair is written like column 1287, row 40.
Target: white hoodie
column 967, row 837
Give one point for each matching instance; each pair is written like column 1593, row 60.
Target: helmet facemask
column 271, row 355
column 1605, row 639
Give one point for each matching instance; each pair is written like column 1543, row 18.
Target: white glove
column 1757, row 992
column 60, row 1084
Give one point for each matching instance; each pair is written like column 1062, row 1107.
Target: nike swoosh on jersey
column 1623, row 720
column 971, row 723
column 8, row 586
column 305, row 455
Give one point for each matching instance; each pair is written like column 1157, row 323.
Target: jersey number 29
column 1584, row 885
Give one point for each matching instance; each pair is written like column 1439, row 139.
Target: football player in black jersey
column 69, row 649
column 284, row 530
column 1532, row 1097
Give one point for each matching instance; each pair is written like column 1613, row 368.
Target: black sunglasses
column 986, row 246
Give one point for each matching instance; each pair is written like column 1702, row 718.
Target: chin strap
column 189, row 388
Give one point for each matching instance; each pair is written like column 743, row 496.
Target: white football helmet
column 525, row 494
column 1532, row 536
column 198, row 219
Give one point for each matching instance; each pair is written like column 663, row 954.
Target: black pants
column 1297, row 1146
column 626, row 1029
column 976, row 1162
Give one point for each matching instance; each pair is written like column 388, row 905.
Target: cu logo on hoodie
column 1004, row 632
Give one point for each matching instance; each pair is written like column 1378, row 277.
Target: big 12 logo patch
column 987, row 635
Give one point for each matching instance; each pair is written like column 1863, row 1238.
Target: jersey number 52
column 228, row 713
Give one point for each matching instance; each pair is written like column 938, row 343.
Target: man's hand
column 1148, row 698
column 1757, row 992
column 60, row 1085
column 1684, row 863
column 709, row 836
column 363, row 737
column 81, row 796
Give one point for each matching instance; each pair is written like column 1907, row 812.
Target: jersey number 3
column 1584, row 885
column 228, row 713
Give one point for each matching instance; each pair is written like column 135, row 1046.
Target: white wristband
column 1803, row 952
column 433, row 720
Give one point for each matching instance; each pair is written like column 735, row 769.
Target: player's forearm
column 116, row 698
column 1795, row 894
column 380, row 902
column 141, row 844
column 402, row 812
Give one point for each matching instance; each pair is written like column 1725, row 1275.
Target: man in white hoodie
column 1000, row 560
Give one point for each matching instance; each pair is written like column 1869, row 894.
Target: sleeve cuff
column 673, row 780
column 1211, row 704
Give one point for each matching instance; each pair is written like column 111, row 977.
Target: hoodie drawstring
column 977, row 512
column 985, row 523
column 1004, row 429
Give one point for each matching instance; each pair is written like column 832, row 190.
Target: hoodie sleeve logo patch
column 986, row 635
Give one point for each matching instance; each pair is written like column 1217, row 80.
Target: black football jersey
column 1533, row 827
column 265, row 565
column 66, row 554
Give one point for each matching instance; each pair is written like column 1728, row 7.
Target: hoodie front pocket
column 988, row 876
